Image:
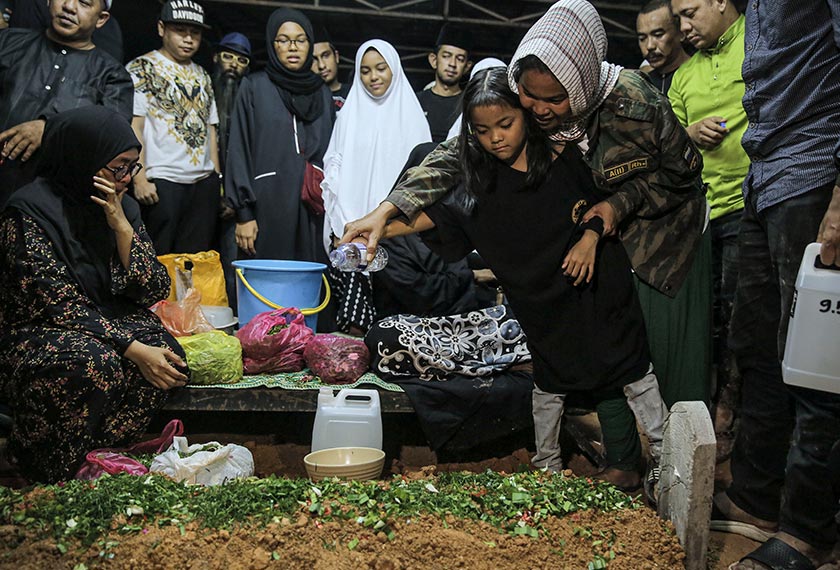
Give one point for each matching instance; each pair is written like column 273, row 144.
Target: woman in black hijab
column 83, row 362
column 282, row 120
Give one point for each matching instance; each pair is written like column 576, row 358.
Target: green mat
column 303, row 380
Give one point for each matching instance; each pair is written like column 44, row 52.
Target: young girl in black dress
column 521, row 207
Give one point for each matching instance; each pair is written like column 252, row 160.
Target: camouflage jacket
column 643, row 162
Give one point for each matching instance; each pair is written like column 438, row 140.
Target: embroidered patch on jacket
column 614, row 172
column 690, row 156
column 578, row 210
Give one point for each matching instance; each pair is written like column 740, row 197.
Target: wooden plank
column 267, row 400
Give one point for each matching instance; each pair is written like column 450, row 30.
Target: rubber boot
column 547, row 410
column 647, row 405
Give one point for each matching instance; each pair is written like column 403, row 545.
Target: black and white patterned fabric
column 354, row 299
column 477, row 343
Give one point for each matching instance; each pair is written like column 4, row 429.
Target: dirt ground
column 640, row 543
column 639, row 539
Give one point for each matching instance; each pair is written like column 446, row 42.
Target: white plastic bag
column 204, row 463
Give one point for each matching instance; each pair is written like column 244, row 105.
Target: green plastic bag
column 213, row 357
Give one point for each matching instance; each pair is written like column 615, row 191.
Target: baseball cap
column 237, row 43
column 183, row 12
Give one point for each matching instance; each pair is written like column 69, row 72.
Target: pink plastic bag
column 102, row 461
column 337, row 360
column 274, row 341
column 112, row 461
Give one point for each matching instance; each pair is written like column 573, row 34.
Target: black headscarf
column 77, row 144
column 299, row 89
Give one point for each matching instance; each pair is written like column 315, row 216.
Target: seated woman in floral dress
column 83, row 363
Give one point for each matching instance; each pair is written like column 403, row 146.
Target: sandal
column 778, row 555
column 720, row 523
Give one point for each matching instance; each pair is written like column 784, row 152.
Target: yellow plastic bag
column 207, row 275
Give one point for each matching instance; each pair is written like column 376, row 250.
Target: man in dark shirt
column 325, row 63
column 232, row 62
column 35, row 15
column 451, row 62
column 660, row 42
column 785, row 462
column 47, row 72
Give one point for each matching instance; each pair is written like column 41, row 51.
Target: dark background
column 410, row 25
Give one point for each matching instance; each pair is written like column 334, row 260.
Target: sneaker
column 652, row 485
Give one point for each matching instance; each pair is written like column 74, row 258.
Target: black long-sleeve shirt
column 40, row 78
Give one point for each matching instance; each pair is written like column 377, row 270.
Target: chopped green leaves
column 517, row 504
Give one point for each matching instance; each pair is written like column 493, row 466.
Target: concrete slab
column 687, row 479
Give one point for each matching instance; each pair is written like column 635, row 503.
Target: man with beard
column 325, row 64
column 451, row 62
column 54, row 70
column 232, row 58
column 660, row 42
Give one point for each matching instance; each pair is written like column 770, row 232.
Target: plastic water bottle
column 353, row 418
column 811, row 357
column 353, row 257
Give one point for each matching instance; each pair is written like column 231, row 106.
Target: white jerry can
column 352, row 418
column 812, row 351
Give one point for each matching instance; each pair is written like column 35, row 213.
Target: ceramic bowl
column 220, row 317
column 358, row 463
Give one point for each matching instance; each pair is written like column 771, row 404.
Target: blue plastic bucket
column 267, row 284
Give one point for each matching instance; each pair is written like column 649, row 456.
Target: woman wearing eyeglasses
column 83, row 363
column 280, row 130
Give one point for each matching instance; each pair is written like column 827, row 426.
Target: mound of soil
column 637, row 539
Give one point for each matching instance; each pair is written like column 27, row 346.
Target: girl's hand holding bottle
column 580, row 261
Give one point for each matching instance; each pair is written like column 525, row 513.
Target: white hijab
column 485, row 63
column 570, row 40
column 370, row 143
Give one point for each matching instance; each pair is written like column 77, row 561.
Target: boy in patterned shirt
column 175, row 117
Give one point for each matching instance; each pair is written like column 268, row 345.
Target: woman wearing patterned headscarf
column 280, row 127
column 642, row 161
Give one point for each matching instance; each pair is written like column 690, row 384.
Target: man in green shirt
column 706, row 95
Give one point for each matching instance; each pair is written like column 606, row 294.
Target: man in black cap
column 325, row 64
column 175, row 117
column 232, row 60
column 48, row 71
column 451, row 62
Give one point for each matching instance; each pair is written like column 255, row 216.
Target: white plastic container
column 352, row 418
column 812, row 351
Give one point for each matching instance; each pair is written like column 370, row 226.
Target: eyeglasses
column 228, row 57
column 286, row 42
column 130, row 169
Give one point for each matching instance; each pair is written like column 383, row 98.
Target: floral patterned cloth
column 61, row 364
column 477, row 343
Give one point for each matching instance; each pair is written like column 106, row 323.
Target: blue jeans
column 781, row 460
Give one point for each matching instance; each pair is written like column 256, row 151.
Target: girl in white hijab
column 379, row 125
column 372, row 138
